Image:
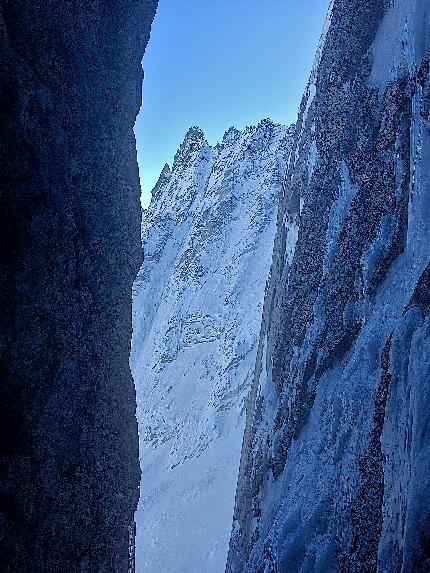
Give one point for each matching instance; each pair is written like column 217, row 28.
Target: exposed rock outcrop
column 335, row 463
column 197, row 306
column 70, row 220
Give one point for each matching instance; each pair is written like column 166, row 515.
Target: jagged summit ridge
column 195, row 157
column 195, row 139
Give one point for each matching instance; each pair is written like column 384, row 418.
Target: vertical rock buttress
column 334, row 469
column 70, row 249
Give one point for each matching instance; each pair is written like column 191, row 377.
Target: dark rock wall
column 334, row 474
column 70, row 222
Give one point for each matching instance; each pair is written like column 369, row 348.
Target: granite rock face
column 335, row 464
column 70, row 223
column 197, row 305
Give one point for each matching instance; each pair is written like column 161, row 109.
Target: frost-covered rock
column 335, row 472
column 208, row 240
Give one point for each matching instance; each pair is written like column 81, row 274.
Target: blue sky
column 221, row 63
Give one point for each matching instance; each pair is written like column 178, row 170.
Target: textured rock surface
column 70, row 91
column 208, row 241
column 335, row 463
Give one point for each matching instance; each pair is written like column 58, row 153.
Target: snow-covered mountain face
column 335, row 472
column 208, row 242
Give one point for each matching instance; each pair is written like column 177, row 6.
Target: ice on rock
column 334, row 473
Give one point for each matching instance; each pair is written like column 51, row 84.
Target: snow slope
column 208, row 239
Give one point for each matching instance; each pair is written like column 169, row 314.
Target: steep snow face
column 208, row 240
column 335, row 468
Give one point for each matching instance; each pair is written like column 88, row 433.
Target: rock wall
column 334, row 473
column 70, row 224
